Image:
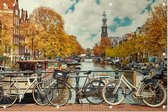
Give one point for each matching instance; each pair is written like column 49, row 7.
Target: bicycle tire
column 93, row 92
column 8, row 97
column 58, row 94
column 109, row 97
column 40, row 94
column 150, row 88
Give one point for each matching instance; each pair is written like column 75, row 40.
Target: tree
column 46, row 34
column 6, row 31
column 153, row 40
column 100, row 49
column 156, row 32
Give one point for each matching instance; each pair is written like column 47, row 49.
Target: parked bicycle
column 150, row 91
column 60, row 90
column 10, row 92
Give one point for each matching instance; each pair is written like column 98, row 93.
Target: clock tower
column 104, row 26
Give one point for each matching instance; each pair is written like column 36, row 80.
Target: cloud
column 119, row 22
column 148, row 6
column 98, row 2
column 84, row 17
column 92, row 37
column 72, row 7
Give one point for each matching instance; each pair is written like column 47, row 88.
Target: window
column 16, row 40
column 14, row 30
column 16, row 12
column 104, row 30
column 5, row 6
column 26, row 50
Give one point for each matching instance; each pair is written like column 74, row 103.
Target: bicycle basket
column 61, row 75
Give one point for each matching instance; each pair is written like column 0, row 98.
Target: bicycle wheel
column 93, row 92
column 7, row 95
column 40, row 93
column 109, row 96
column 153, row 95
column 58, row 94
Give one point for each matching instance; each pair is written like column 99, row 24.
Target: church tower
column 104, row 26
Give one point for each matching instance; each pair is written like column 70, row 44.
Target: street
column 81, row 107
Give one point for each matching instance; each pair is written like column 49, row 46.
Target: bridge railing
column 46, row 75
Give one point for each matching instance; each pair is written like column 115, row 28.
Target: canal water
column 85, row 66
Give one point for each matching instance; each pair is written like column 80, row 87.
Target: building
column 104, row 26
column 9, row 11
column 89, row 52
column 114, row 41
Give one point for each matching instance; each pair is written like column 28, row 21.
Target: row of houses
column 15, row 17
column 137, row 56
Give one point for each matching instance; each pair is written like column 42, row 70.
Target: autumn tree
column 156, row 30
column 152, row 40
column 6, row 31
column 46, row 34
column 97, row 50
column 100, row 49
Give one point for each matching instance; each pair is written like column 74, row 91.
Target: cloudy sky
column 83, row 18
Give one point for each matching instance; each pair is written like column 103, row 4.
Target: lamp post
column 164, row 54
column 138, row 57
column 32, row 48
column 33, row 35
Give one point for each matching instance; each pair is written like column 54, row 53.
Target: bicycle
column 150, row 91
column 9, row 93
column 59, row 92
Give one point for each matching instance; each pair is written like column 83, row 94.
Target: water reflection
column 95, row 66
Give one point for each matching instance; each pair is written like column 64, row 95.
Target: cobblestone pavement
column 83, row 107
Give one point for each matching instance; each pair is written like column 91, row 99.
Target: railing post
column 77, row 88
column 39, row 72
column 116, row 74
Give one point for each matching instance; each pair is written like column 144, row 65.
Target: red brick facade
column 18, row 17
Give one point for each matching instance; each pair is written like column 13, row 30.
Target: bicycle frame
column 71, row 87
column 76, row 89
column 128, row 84
column 15, row 81
column 80, row 90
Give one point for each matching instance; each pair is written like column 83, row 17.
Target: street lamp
column 110, row 4
column 164, row 4
column 138, row 57
column 164, row 54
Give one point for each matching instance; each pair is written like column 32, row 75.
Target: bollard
column 134, row 78
column 39, row 72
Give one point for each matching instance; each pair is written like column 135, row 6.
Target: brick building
column 13, row 17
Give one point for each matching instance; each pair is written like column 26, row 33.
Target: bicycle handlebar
column 144, row 72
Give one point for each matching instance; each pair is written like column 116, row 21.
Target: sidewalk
column 79, row 107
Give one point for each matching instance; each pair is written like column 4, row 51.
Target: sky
column 83, row 18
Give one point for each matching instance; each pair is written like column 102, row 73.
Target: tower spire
column 104, row 26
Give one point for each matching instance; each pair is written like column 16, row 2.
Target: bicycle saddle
column 144, row 72
column 88, row 72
